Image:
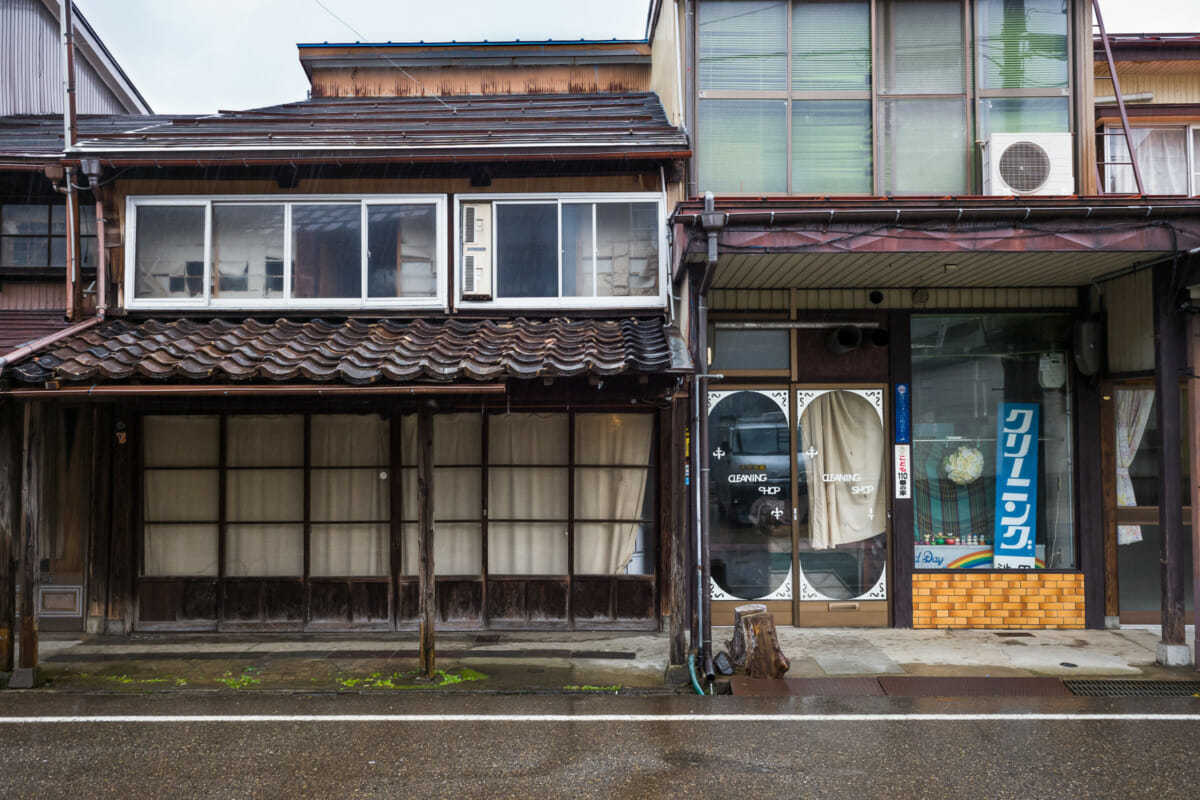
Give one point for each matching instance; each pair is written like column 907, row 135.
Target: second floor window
column 1168, row 158
column 34, row 235
column 252, row 252
column 812, row 98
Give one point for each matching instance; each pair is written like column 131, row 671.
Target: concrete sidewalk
column 572, row 662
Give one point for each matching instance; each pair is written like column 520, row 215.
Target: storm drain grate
column 1133, row 688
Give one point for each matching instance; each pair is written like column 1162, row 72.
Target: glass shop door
column 814, row 556
column 842, row 506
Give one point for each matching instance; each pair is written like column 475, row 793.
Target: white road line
column 588, row 718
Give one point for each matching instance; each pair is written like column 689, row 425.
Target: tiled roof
column 352, row 351
column 417, row 128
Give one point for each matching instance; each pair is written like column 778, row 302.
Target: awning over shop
column 354, row 351
column 944, row 242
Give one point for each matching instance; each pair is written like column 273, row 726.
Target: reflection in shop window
column 963, row 368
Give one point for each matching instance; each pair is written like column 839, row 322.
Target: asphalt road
column 466, row 746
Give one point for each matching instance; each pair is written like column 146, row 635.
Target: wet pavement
column 576, row 663
column 359, row 744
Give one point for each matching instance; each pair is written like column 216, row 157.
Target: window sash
column 288, row 297
column 563, row 297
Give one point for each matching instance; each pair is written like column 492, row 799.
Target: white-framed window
column 1168, row 156
column 249, row 252
column 605, row 250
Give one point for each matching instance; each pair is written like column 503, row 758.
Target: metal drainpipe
column 91, row 168
column 712, row 221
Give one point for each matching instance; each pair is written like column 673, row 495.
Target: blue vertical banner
column 901, row 413
column 1017, row 434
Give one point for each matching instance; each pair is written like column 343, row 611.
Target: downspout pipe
column 712, row 221
column 91, row 168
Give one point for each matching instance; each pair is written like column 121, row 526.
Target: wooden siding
column 846, row 299
column 32, row 295
column 665, row 61
column 1167, row 87
column 1130, row 323
column 452, row 81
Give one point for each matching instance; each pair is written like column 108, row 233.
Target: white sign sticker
column 903, row 472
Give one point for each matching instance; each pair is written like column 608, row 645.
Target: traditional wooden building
column 904, row 271
column 398, row 356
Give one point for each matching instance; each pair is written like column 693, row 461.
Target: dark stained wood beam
column 674, row 503
column 100, row 540
column 25, row 676
column 428, row 660
column 1089, row 495
column 1168, row 366
column 10, row 524
column 903, row 518
column 1193, row 496
column 122, row 553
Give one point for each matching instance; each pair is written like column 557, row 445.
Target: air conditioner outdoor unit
column 477, row 251
column 1028, row 164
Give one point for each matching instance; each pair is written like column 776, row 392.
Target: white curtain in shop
column 1133, row 413
column 609, row 493
column 180, row 495
column 847, row 435
column 457, row 454
column 518, row 492
column 264, row 495
column 349, row 495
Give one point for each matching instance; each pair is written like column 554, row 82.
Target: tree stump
column 755, row 639
column 737, row 645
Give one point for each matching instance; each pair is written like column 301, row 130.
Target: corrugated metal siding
column 31, row 66
column 848, row 299
column 1130, row 307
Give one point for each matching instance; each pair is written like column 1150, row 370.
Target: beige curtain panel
column 847, row 435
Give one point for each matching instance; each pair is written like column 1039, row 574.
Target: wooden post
column 122, row 560
column 903, row 515
column 25, row 676
column 1089, row 469
column 100, row 541
column 1193, row 348
column 10, row 524
column 1168, row 366
column 425, row 537
column 675, row 498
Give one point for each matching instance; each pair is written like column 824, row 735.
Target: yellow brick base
column 981, row 599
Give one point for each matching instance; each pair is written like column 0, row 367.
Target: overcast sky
column 198, row 56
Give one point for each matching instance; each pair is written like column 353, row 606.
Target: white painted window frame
column 287, row 302
column 658, row 301
column 1112, row 132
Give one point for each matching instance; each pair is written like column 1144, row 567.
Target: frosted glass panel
column 831, row 46
column 1021, row 44
column 922, row 47
column 924, row 146
column 831, row 147
column 742, row 45
column 743, row 145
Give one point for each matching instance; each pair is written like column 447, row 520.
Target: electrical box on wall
column 1028, row 164
column 476, row 244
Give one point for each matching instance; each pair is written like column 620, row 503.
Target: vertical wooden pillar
column 903, row 518
column 25, row 676
column 1168, row 366
column 122, row 558
column 1193, row 348
column 675, row 498
column 396, row 505
column 425, row 537
column 1089, row 470
column 10, row 525
column 100, row 540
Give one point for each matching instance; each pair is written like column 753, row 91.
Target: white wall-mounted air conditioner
column 1028, row 164
column 476, row 247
